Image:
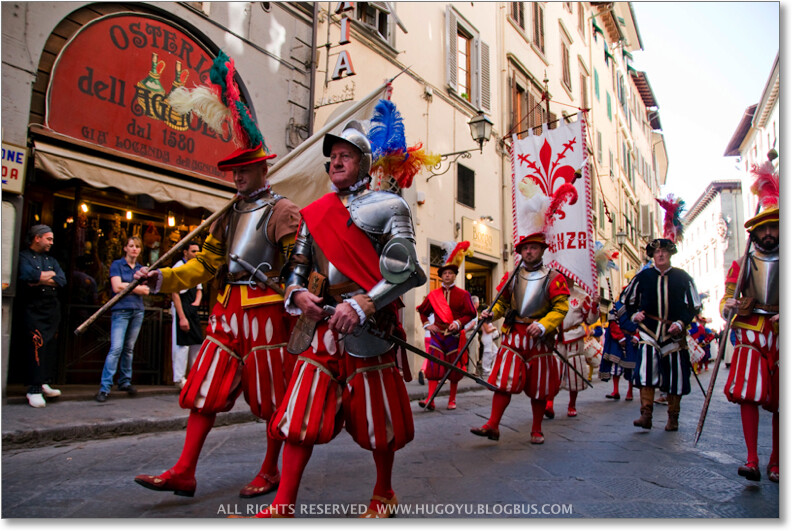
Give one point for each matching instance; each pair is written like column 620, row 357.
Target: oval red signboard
column 109, row 87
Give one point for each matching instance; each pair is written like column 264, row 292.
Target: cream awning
column 63, row 163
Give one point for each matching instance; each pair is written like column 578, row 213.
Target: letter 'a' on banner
column 548, row 197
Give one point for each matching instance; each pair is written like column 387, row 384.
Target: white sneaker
column 49, row 392
column 36, row 400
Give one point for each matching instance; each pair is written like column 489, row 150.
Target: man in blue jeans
column 126, row 322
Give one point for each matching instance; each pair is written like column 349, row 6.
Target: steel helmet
column 354, row 134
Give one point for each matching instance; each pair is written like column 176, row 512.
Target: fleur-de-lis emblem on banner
column 546, row 175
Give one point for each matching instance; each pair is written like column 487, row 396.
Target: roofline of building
column 733, row 148
column 769, row 97
column 714, row 188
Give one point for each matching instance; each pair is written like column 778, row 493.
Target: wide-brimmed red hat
column 244, row 157
column 536, row 237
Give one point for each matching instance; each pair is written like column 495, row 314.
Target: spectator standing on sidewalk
column 187, row 333
column 40, row 276
column 125, row 323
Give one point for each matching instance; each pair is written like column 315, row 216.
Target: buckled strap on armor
column 362, row 370
column 773, row 308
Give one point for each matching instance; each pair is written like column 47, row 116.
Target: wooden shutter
column 484, row 77
column 451, row 48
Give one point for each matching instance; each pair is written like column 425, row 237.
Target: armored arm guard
column 300, row 260
column 387, row 216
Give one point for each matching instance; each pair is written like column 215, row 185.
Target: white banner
column 541, row 165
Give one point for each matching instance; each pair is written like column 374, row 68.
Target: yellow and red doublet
column 753, row 375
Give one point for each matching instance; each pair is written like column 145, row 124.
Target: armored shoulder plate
column 764, row 275
column 376, row 211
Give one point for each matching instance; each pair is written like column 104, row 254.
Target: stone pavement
column 596, row 465
column 76, row 416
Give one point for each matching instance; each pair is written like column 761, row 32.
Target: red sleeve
column 558, row 287
column 734, row 272
column 615, row 331
column 425, row 310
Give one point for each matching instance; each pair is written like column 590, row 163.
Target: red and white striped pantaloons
column 576, row 357
column 753, row 376
column 527, row 364
column 244, row 350
column 331, row 390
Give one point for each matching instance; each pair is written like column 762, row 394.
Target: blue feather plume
column 387, row 130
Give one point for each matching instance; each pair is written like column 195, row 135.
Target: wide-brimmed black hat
column 660, row 243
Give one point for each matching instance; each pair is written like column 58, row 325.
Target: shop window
column 466, row 188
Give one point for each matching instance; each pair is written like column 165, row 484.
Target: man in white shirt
column 187, row 333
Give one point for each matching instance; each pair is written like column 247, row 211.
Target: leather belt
column 336, row 290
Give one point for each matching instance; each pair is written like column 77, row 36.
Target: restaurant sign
column 109, row 87
column 483, row 238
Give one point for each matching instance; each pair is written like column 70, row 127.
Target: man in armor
column 753, row 377
column 453, row 309
column 534, row 306
column 353, row 258
column 582, row 309
column 662, row 300
column 244, row 349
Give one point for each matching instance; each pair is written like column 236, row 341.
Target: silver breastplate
column 528, row 295
column 763, row 279
column 247, row 235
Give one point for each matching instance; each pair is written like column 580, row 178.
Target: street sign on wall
column 14, row 161
column 109, row 87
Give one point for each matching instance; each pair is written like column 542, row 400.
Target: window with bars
column 466, row 188
column 468, row 64
column 518, row 14
column 538, row 26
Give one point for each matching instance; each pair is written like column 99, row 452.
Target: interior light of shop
column 84, row 207
column 70, row 219
column 171, row 221
column 469, row 276
column 129, row 214
column 36, row 217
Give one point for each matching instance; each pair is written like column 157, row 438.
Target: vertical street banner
column 541, row 165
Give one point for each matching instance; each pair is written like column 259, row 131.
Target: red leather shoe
column 571, row 412
column 537, row 437
column 549, row 413
column 380, row 507
column 261, row 485
column 485, row 431
column 451, row 405
column 166, row 482
column 772, row 472
column 750, row 472
column 629, row 397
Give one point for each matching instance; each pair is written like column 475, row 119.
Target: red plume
column 566, row 193
column 766, row 185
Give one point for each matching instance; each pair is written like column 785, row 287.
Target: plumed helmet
column 355, row 134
